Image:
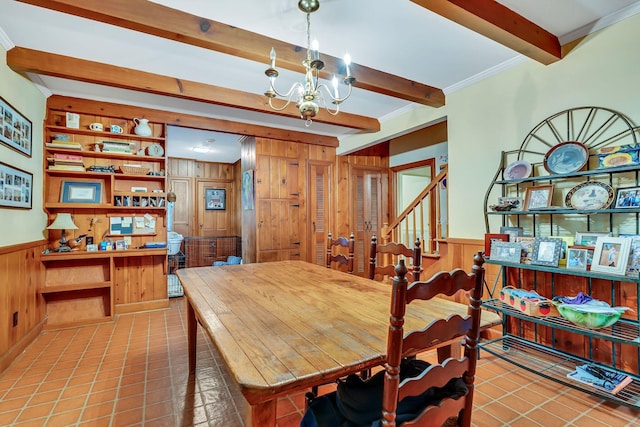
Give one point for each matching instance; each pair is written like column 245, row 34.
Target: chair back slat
column 442, row 283
column 433, row 376
column 436, row 415
column 437, row 332
column 379, row 269
column 341, row 259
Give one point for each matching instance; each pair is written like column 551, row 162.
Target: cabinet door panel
column 367, row 191
column 319, row 209
column 183, row 207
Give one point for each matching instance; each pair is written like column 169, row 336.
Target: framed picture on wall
column 16, row 187
column 215, row 199
column 247, row 190
column 15, row 129
column 81, row 192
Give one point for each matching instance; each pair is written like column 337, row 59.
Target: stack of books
column 603, row 379
column 67, row 145
column 66, row 162
column 116, row 147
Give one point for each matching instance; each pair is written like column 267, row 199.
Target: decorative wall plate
column 590, row 195
column 619, row 159
column 566, row 157
column 518, row 170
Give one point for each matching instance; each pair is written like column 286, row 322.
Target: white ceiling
column 394, row 36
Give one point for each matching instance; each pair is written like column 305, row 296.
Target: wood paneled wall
column 183, row 175
column 21, row 276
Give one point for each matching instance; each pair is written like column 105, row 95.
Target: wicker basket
column 132, row 170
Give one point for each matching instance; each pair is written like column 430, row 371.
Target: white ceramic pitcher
column 142, row 127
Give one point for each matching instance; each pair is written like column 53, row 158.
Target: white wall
column 23, row 225
column 497, row 113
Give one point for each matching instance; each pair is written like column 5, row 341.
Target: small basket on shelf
column 133, row 170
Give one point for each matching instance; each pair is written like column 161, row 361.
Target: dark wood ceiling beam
column 501, row 24
column 126, row 112
column 23, row 60
column 161, row 21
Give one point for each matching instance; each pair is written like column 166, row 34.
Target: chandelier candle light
column 308, row 95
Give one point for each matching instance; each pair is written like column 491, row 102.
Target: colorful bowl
column 589, row 316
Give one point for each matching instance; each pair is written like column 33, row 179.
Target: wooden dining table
column 285, row 326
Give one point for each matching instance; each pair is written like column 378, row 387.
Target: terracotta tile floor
column 134, row 372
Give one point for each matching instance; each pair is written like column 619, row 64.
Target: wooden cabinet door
column 367, row 191
column 183, row 207
column 319, row 204
column 277, row 209
column 214, row 222
column 278, row 228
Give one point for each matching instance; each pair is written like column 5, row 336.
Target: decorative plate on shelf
column 590, row 195
column 566, row 157
column 518, row 170
column 619, row 159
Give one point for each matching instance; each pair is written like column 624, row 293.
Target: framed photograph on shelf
column 589, row 250
column 633, row 266
column 526, row 248
column 588, row 238
column 546, row 251
column 577, row 259
column 538, row 197
column 16, row 187
column 513, row 232
column 505, row 251
column 15, row 129
column 628, row 197
column 611, row 255
column 215, row 199
column 489, row 238
column 81, row 192
column 566, row 242
column 515, row 203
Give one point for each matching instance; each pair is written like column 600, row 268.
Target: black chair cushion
column 358, row 402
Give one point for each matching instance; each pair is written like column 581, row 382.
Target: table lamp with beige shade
column 63, row 222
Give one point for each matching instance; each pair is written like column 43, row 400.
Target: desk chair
column 341, row 259
column 400, row 345
column 377, row 272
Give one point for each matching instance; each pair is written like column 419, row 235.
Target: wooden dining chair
column 341, row 259
column 440, row 331
column 395, row 250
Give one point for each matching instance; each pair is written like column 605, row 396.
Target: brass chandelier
column 309, row 95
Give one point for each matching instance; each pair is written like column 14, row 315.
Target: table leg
column 192, row 330
column 262, row 415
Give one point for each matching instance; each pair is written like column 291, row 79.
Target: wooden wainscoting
column 20, row 282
